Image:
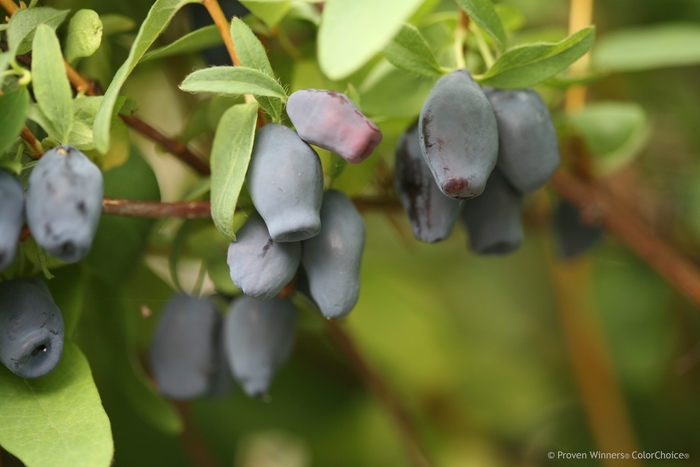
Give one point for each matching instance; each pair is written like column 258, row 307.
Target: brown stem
column 384, row 393
column 597, row 205
column 178, row 149
column 222, row 25
column 9, row 6
column 195, row 445
column 156, row 209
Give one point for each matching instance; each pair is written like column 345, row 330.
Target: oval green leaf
column 84, row 35
column 20, row 31
column 251, row 53
column 13, row 110
column 51, row 86
column 230, row 157
column 647, row 48
column 528, row 65
column 352, row 32
column 410, row 51
column 195, row 41
column 233, row 81
column 483, row 13
column 56, row 420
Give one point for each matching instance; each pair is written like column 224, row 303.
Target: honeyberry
column 432, row 214
column 330, row 120
column 493, row 220
column 459, row 135
column 11, row 217
column 258, row 336
column 332, row 258
column 528, row 149
column 260, row 266
column 186, row 351
column 64, row 203
column 574, row 236
column 31, row 328
column 285, row 180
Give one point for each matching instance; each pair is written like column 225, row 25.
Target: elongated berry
column 11, row 217
column 64, row 203
column 332, row 258
column 459, row 135
column 493, row 220
column 31, row 328
column 528, row 149
column 186, row 351
column 330, row 120
column 258, row 336
column 432, row 214
column 260, row 266
column 285, row 180
column 574, row 236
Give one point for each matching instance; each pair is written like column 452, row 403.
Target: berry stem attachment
column 460, row 38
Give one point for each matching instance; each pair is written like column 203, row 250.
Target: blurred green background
column 499, row 360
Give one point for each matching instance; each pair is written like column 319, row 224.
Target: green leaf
column 195, row 41
column 4, row 63
column 158, row 18
column 120, row 241
column 352, row 32
column 51, row 86
column 614, row 132
column 230, row 157
column 84, row 35
column 233, row 81
column 68, row 291
column 116, row 24
column 13, row 110
column 410, row 51
column 646, row 48
column 251, row 53
column 270, row 13
column 483, row 13
column 20, row 32
column 527, row 65
column 56, row 420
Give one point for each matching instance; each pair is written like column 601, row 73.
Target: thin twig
column 222, row 25
column 156, row 209
column 384, row 393
column 174, row 147
column 9, row 6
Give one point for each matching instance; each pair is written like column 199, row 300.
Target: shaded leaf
column 230, row 157
column 527, row 65
column 410, row 51
column 56, row 420
column 13, row 110
column 270, row 13
column 614, row 132
column 233, row 81
column 646, row 48
column 195, row 41
column 157, row 20
column 51, row 86
column 351, row 33
column 483, row 13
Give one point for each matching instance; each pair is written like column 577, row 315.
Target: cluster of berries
column 298, row 231
column 63, row 206
column 488, row 144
